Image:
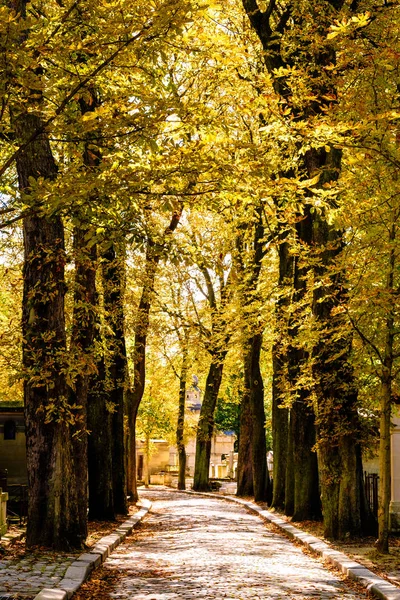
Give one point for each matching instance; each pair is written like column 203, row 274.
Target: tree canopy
column 191, row 187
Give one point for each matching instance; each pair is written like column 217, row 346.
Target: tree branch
column 71, row 95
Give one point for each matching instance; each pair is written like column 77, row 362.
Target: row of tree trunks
column 336, row 415
column 106, row 452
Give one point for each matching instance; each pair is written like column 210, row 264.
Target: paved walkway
column 193, row 547
column 25, row 577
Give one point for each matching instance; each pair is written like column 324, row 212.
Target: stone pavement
column 44, row 575
column 193, row 547
column 25, row 577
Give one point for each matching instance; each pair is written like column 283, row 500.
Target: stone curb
column 80, row 569
column 374, row 584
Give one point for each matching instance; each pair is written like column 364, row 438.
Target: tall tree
column 156, row 248
column 53, row 507
column 216, row 292
column 250, row 253
column 283, row 34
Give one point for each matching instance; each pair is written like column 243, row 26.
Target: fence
column 371, row 482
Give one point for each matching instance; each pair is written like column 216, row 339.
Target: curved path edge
column 379, row 587
column 82, row 567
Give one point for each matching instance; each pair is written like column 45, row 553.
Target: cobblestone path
column 193, row 547
column 24, row 578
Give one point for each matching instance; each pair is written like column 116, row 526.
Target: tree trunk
column 154, row 252
column 384, row 467
column 337, row 418
column 261, row 481
column 53, row 504
column 253, row 399
column 307, row 505
column 180, row 442
column 289, row 482
column 386, row 406
column 205, row 426
column 131, row 447
column 245, row 462
column 81, row 351
column 280, row 415
column 101, row 498
column 113, row 285
column 147, row 462
column 139, row 363
column 280, row 433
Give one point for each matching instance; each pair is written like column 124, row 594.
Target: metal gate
column 371, row 482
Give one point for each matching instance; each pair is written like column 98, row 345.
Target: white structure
column 395, row 475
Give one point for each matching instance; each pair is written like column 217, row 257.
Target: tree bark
column 337, row 418
column 386, row 405
column 289, row 482
column 245, row 462
column 53, row 505
column 205, row 426
column 280, row 414
column 81, row 352
column 113, row 286
column 101, row 497
column 250, row 252
column 84, row 322
column 147, row 462
column 280, row 433
column 154, row 253
column 307, row 504
column 261, row 481
column 180, row 441
column 139, row 363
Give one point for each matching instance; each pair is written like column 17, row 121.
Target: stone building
column 12, row 442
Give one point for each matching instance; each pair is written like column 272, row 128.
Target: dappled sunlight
column 199, row 547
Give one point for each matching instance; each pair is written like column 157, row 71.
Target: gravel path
column 198, row 547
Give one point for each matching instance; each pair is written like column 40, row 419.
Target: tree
column 157, row 245
column 283, row 35
column 250, row 253
column 214, row 286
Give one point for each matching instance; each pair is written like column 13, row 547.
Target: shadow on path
column 199, row 547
